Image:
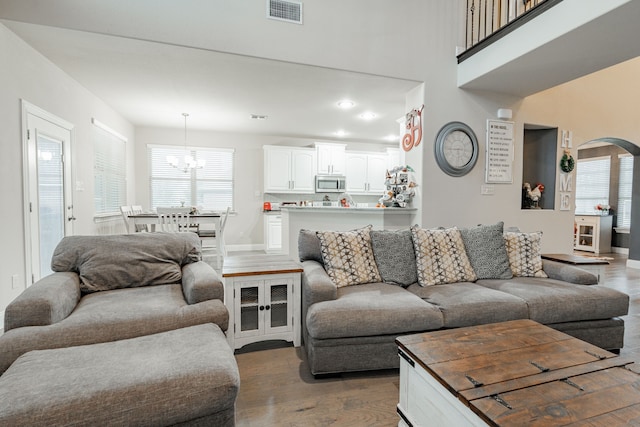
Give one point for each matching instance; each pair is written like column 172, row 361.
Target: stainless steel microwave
column 330, row 183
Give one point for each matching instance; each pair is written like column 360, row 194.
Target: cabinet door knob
column 261, row 307
column 268, row 307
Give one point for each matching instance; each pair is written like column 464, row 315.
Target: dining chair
column 126, row 211
column 175, row 222
column 137, row 209
column 216, row 238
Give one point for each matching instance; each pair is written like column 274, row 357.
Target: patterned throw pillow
column 440, row 257
column 395, row 256
column 348, row 257
column 487, row 251
column 524, row 254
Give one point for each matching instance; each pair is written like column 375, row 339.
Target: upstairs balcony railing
column 488, row 20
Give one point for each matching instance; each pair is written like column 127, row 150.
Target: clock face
column 456, row 149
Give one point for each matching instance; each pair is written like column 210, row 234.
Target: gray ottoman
column 186, row 376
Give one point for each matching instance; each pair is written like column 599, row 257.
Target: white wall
column 25, row 74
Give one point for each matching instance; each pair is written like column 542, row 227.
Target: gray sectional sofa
column 353, row 327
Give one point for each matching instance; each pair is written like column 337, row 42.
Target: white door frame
column 30, row 109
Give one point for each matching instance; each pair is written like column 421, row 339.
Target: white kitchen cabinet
column 593, row 233
column 273, row 233
column 331, row 158
column 289, row 169
column 366, row 172
column 393, row 158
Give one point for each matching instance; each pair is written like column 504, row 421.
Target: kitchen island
column 296, row 218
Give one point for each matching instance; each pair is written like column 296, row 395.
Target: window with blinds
column 592, row 184
column 210, row 188
column 110, row 185
column 625, row 185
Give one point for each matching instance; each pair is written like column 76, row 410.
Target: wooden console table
column 513, row 373
column 262, row 294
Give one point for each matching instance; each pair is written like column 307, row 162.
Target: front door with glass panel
column 49, row 210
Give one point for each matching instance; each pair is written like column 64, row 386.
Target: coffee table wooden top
column 255, row 265
column 524, row 373
column 574, row 259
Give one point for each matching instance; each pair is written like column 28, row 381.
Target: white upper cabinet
column 289, row 169
column 366, row 172
column 331, row 158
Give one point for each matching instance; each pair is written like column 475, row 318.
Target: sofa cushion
column 554, row 301
column 163, row 379
column 487, row 251
column 440, row 256
column 395, row 256
column 369, row 310
column 126, row 261
column 524, row 254
column 309, row 246
column 348, row 256
column 468, row 304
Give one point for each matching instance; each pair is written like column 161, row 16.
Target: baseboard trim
column 618, row 250
column 632, row 263
column 247, row 247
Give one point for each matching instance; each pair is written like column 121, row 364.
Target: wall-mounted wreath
column 567, row 163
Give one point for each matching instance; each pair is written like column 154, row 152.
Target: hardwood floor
column 276, row 388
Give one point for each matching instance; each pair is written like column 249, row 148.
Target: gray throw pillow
column 395, row 256
column 309, row 246
column 487, row 251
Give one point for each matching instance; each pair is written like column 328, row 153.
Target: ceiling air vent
column 289, row 11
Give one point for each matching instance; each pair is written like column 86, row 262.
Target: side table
column 262, row 294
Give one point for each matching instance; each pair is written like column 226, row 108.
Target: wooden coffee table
column 513, row 374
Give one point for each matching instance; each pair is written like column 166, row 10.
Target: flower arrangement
column 603, row 209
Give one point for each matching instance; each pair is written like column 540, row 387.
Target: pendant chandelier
column 188, row 163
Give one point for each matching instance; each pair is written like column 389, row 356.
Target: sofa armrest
column 46, row 302
column 568, row 273
column 316, row 284
column 200, row 282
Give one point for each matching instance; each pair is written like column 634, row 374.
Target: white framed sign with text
column 499, row 167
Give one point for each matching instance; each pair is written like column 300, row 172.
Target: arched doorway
column 633, row 260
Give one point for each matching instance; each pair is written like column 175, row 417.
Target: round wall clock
column 456, row 149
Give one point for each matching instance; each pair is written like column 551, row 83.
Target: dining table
column 151, row 219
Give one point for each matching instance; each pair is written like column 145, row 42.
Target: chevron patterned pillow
column 441, row 257
column 348, row 257
column 524, row 254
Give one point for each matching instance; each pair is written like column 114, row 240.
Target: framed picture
column 499, row 167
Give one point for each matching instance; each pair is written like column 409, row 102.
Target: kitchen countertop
column 334, row 209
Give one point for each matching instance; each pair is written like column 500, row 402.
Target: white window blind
column 209, row 188
column 110, row 178
column 592, row 184
column 625, row 185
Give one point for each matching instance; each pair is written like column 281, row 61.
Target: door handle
column 71, row 218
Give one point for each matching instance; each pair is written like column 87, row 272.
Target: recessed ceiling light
column 340, row 133
column 367, row 115
column 259, row 117
column 392, row 137
column 346, row 104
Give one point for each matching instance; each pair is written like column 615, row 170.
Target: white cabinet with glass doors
column 593, row 233
column 263, row 307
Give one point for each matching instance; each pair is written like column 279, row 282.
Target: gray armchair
column 108, row 288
